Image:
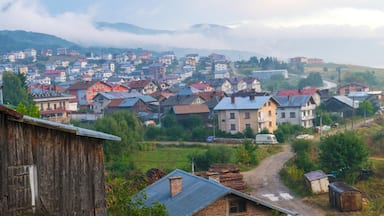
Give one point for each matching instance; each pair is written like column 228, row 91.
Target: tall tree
column 14, row 90
column 345, row 153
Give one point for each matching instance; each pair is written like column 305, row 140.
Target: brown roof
column 138, row 84
column 189, row 109
column 116, row 102
column 82, row 85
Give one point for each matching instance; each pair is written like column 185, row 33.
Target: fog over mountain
column 342, row 31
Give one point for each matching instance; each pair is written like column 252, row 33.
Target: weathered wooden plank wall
column 70, row 169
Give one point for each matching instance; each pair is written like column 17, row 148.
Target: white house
column 296, row 110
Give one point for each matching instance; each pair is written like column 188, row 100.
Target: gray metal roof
column 70, row 128
column 346, row 100
column 197, row 193
column 242, row 103
column 315, row 175
column 293, row 101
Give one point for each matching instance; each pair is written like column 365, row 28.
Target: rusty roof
column 189, row 109
column 57, row 126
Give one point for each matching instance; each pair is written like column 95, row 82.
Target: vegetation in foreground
column 344, row 155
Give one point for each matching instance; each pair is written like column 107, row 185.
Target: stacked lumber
column 154, row 174
column 227, row 174
column 233, row 180
column 224, row 168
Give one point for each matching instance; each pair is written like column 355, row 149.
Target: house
column 299, row 59
column 102, row 99
column 252, row 84
column 171, row 101
column 315, row 93
column 203, row 87
column 183, row 193
column 317, row 181
column 341, row 104
column 143, row 86
column 267, row 74
column 344, row 197
column 236, row 114
column 221, row 85
column 296, row 110
column 85, row 91
column 183, row 112
column 48, row 168
column 53, row 105
column 238, row 84
column 352, row 87
column 221, row 74
column 134, row 104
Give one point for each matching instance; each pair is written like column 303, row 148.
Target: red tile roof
column 138, row 84
column 291, row 92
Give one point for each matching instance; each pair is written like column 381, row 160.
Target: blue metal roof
column 293, row 101
column 129, row 102
column 197, row 193
column 242, row 103
column 190, row 200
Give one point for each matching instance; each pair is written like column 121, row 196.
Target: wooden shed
column 48, row 168
column 317, row 181
column 344, row 197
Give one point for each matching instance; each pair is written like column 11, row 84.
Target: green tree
column 246, row 152
column 345, row 153
column 123, row 198
column 14, row 90
column 125, row 125
column 366, row 108
column 217, row 154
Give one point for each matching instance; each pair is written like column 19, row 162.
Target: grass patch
column 171, row 157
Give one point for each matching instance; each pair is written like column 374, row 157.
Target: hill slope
column 19, row 40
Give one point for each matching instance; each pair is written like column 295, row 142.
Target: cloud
column 271, row 27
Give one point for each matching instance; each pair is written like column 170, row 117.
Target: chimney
column 251, row 97
column 175, row 185
column 232, row 99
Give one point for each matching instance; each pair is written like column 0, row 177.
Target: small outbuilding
column 344, row 197
column 317, row 181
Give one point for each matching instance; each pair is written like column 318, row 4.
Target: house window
column 292, row 115
column 270, row 124
column 233, row 127
column 247, row 115
column 237, row 206
column 232, row 115
column 247, row 126
column 283, row 115
column 269, row 113
column 269, row 103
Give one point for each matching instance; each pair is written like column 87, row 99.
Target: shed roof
column 58, row 126
column 342, row 187
column 315, row 175
column 197, row 193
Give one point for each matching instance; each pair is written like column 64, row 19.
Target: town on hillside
column 48, row 163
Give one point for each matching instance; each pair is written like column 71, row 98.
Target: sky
column 342, row 31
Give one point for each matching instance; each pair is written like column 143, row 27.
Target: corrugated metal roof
column 118, row 95
column 346, row 100
column 197, row 193
column 129, row 102
column 315, row 175
column 293, row 101
column 341, row 187
column 70, row 128
column 242, row 103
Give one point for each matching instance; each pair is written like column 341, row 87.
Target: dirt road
column 265, row 184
